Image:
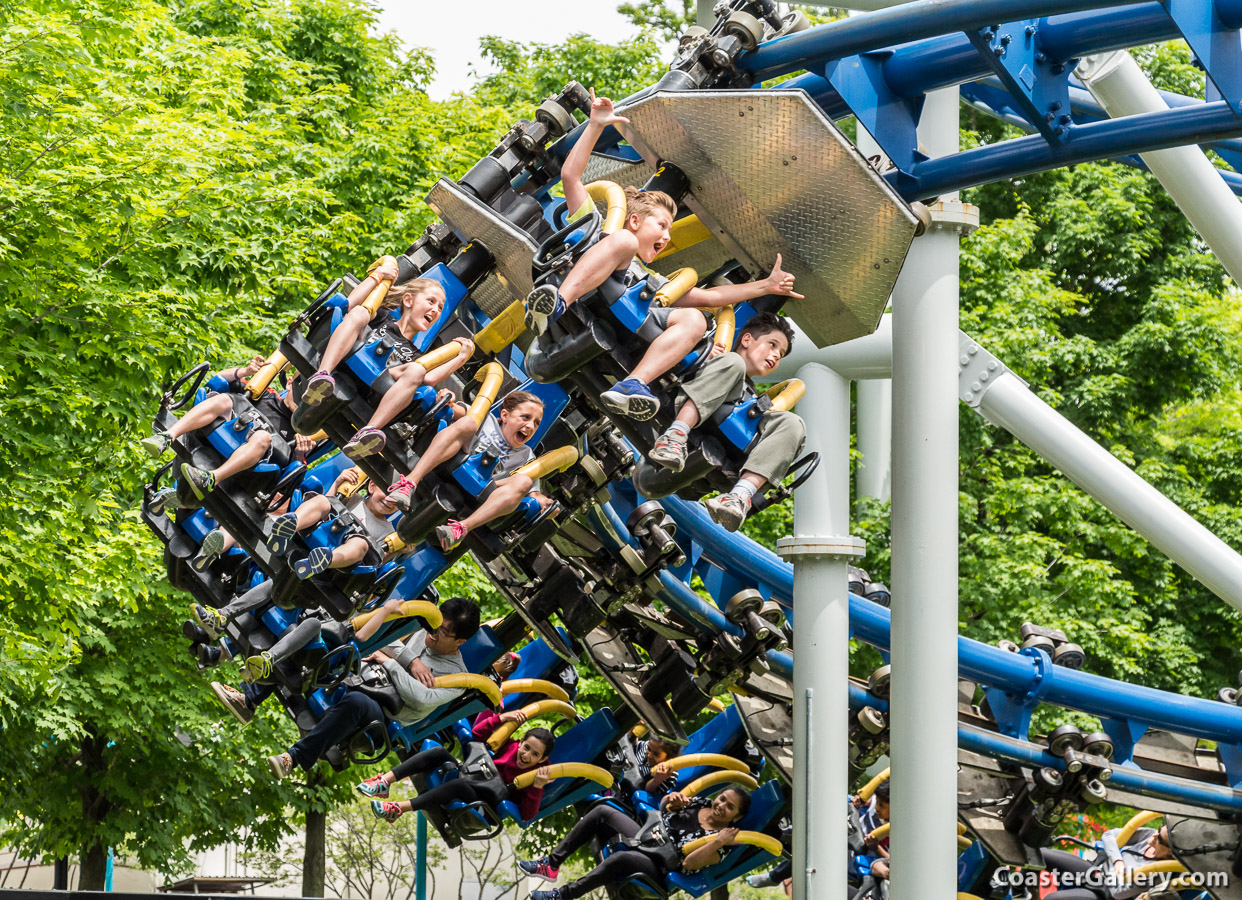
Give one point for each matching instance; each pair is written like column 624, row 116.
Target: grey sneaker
column 162, row 501
column 669, row 451
column 234, row 701
column 728, row 510
column 157, row 444
column 209, row 550
column 542, row 305
column 201, row 481
column 320, row 387
column 282, row 765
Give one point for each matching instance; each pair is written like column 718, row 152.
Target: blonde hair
column 644, row 203
column 392, row 300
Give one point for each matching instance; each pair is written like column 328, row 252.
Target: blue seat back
column 586, row 742
column 538, row 661
column 720, row 731
column 454, row 293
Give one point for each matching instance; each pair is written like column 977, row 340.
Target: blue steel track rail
column 1021, row 675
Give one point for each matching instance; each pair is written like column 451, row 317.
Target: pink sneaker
column 401, row 492
column 383, row 809
column 450, row 534
column 373, row 787
column 365, row 442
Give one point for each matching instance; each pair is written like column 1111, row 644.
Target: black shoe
column 209, row 656
column 195, row 633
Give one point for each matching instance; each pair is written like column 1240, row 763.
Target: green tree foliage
column 177, row 180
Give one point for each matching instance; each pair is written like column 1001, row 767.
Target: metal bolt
column 969, row 396
column 963, row 359
column 1058, row 68
column 1054, row 105
column 1006, row 39
column 1049, row 117
column 983, row 376
column 1041, row 57
column 1066, row 120
column 1030, row 30
column 972, row 349
column 976, row 386
column 998, row 50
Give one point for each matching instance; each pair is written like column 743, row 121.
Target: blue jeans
column 350, row 713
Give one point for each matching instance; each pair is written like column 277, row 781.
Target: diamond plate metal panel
column 512, row 249
column 776, row 176
column 606, row 168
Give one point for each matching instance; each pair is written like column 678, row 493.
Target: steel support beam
column 924, row 549
column 1116, row 80
column 1004, row 399
column 821, row 549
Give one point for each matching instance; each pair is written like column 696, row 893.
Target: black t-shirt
column 402, row 349
column 683, row 826
column 278, row 416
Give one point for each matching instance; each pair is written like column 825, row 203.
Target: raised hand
column 542, row 776
column 602, row 113
column 516, row 716
column 255, row 365
column 727, row 836
column 781, row 282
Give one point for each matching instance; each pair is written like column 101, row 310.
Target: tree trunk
column 93, row 868
column 93, row 861
column 720, row 893
column 315, row 860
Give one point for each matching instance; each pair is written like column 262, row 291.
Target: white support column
column 874, row 412
column 925, row 528
column 1116, row 80
column 873, row 405
column 1003, row 398
column 821, row 549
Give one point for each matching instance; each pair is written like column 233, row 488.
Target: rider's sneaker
column 257, row 668
column 401, row 492
column 365, row 442
column 234, row 701
column 157, row 444
column 320, row 387
column 728, row 510
column 389, row 812
column 630, row 398
column 373, row 787
column 760, row 880
column 450, row 534
column 282, row 765
column 284, row 528
column 313, row 563
column 162, row 501
column 669, row 451
column 539, row 868
column 544, row 303
column 210, row 620
column 201, row 481
column 209, row 550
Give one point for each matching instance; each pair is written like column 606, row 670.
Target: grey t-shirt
column 508, row 457
column 375, row 528
column 420, row 700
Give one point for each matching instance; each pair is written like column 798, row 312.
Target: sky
column 452, row 32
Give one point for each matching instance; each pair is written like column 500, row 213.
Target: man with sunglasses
column 412, row 668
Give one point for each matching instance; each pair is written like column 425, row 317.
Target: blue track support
column 1166, row 787
column 892, row 120
column 908, row 22
column 1217, row 46
column 1038, row 85
column 1018, row 674
column 1086, row 143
